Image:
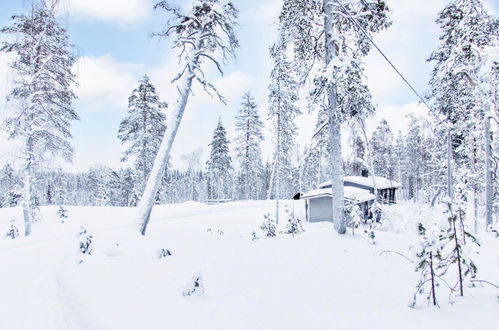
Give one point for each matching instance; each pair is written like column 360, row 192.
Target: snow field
column 316, row 280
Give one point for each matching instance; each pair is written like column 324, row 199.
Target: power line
column 383, row 54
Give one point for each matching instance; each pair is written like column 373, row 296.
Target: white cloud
column 398, row 117
column 266, row 12
column 105, row 82
column 115, row 11
column 407, row 43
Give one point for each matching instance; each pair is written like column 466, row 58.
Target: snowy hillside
column 314, row 280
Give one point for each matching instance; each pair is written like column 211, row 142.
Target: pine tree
column 219, row 166
column 249, row 135
column 328, row 48
column 201, row 35
column 42, row 97
column 143, row 128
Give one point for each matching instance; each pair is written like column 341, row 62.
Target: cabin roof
column 381, row 182
column 358, row 195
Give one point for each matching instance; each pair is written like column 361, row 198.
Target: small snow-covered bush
column 62, row 212
column 354, row 216
column 195, row 286
column 427, row 254
column 36, row 216
column 268, row 226
column 85, row 242
column 369, row 227
column 218, row 231
column 13, row 231
column 294, row 225
column 163, row 253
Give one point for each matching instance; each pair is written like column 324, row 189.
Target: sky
column 115, row 48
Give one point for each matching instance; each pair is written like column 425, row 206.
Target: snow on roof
column 381, row 182
column 352, row 193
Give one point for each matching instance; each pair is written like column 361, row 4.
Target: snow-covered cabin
column 357, row 189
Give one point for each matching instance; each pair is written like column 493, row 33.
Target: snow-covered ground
column 315, row 280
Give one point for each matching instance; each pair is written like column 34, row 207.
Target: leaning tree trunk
column 334, row 129
column 147, row 201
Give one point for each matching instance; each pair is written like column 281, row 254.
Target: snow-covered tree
column 427, row 257
column 268, row 226
column 219, row 166
column 283, row 94
column 13, row 231
column 85, row 242
column 192, row 161
column 414, row 145
column 328, row 48
column 142, row 129
column 62, row 213
column 466, row 29
column 381, row 145
column 249, row 136
column 195, row 286
column 42, row 96
column 456, row 242
column 10, row 191
column 203, row 34
column 293, row 224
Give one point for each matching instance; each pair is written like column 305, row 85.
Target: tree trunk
column 432, row 280
column 147, row 201
column 27, row 212
column 449, row 164
column 334, row 129
column 488, row 174
column 277, row 172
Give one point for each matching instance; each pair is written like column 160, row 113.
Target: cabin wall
column 320, row 209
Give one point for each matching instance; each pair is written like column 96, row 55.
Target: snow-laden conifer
column 219, row 165
column 62, row 213
column 328, row 49
column 381, row 145
column 268, row 226
column 249, row 136
column 195, row 287
column 283, row 95
column 203, row 34
column 42, row 96
column 12, row 231
column 85, row 242
column 466, row 29
column 142, row 129
column 427, row 254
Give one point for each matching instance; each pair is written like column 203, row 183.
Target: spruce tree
column 219, row 166
column 42, row 96
column 142, row 129
column 249, row 136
